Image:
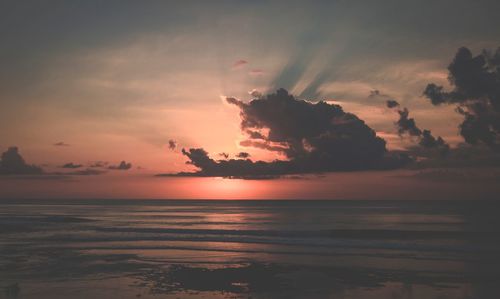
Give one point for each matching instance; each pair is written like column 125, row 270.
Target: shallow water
column 237, row 249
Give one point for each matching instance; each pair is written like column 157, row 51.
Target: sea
column 249, row 249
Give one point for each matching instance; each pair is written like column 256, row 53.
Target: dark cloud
column 224, row 155
column 315, row 138
column 318, row 131
column 243, row 155
column 408, row 126
column 248, row 169
column 476, row 92
column 12, row 163
column 122, row 166
column 255, row 134
column 263, row 145
column 172, row 144
column 233, row 168
column 429, row 141
column 71, row 165
column 392, row 104
column 463, row 156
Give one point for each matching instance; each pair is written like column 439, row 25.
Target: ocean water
column 249, row 249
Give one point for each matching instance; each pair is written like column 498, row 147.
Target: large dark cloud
column 235, row 168
column 476, row 92
column 315, row 137
column 318, row 131
column 12, row 163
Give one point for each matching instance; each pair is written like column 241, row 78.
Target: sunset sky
column 104, row 96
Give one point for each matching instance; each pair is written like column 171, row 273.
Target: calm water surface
column 257, row 249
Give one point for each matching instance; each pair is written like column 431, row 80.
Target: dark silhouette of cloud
column 61, row 144
column 263, row 145
column 476, row 92
column 224, row 155
column 255, row 134
column 172, row 144
column 243, row 155
column 429, row 141
column 407, row 125
column 71, row 165
column 392, row 104
column 233, row 168
column 122, row 166
column 12, row 163
column 315, row 138
column 318, row 131
column 465, row 155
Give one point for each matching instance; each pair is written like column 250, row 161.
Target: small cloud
column 61, row 143
column 122, row 166
column 71, row 165
column 172, row 144
column 392, row 104
column 239, row 63
column 243, row 155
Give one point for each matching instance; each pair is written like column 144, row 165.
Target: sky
column 149, row 98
